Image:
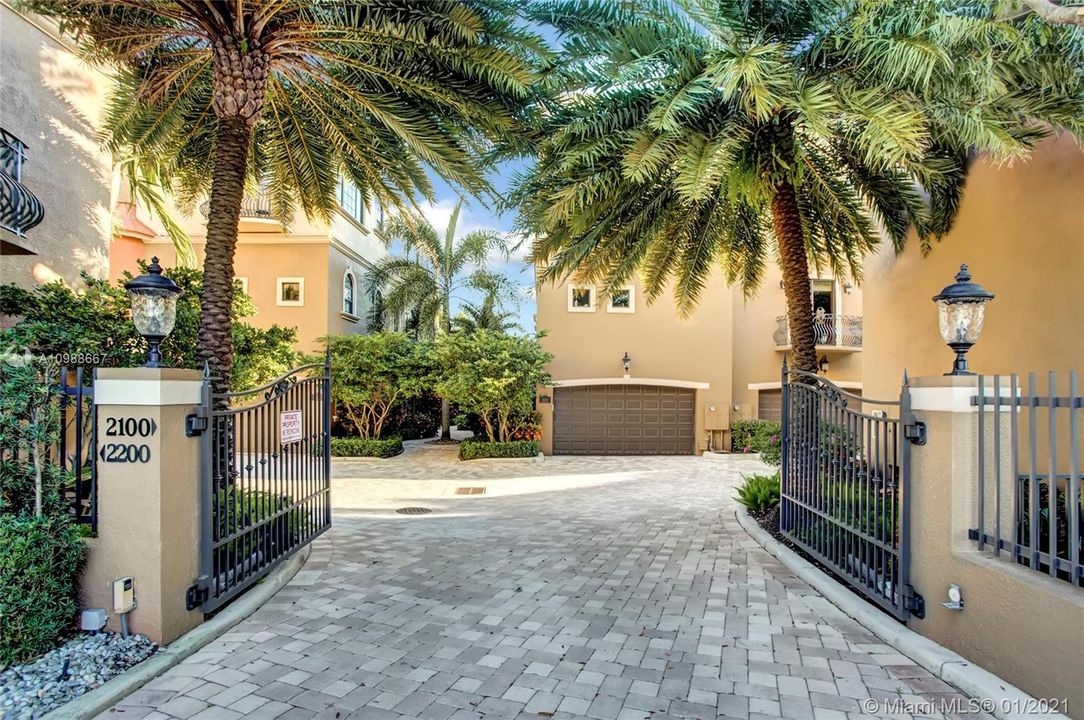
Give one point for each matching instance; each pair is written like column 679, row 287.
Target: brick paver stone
column 602, row 588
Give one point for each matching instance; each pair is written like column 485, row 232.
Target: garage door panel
column 623, row 420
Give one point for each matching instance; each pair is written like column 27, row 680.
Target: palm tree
column 487, row 316
column 422, row 283
column 728, row 131
column 295, row 92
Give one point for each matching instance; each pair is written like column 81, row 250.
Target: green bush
column 366, row 447
column 40, row 560
column 476, row 449
column 256, row 512
column 759, row 492
column 758, row 436
column 414, row 418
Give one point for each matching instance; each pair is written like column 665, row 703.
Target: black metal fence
column 265, row 485
column 78, row 442
column 844, row 476
column 1030, row 484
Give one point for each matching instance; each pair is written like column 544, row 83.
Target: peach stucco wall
column 1021, row 231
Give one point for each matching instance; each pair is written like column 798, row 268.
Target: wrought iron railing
column 78, row 442
column 843, row 331
column 20, row 209
column 252, row 206
column 1030, row 501
column 845, row 479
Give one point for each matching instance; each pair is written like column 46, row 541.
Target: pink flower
column 773, row 439
column 746, row 449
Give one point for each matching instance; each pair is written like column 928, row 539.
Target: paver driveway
column 578, row 587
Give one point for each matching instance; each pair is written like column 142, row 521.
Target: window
column 243, row 283
column 581, row 298
column 348, row 293
column 623, row 300
column 351, row 201
column 291, row 291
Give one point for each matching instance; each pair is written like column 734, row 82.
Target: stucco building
column 1020, row 228
column 65, row 209
column 688, row 379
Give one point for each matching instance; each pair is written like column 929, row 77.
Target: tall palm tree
column 726, row 132
column 295, row 92
column 423, row 281
column 486, row 316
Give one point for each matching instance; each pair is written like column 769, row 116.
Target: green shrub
column 366, row 447
column 475, row 449
column 414, row 418
column 759, row 492
column 40, row 560
column 256, row 512
column 758, row 436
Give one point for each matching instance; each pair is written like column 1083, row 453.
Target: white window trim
column 624, row 311
column 244, row 283
column 594, row 299
column 352, row 312
column 279, row 282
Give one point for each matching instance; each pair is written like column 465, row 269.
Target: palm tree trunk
column 445, row 406
column 787, row 221
column 227, row 193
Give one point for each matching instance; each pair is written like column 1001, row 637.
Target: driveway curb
column 109, row 693
column 954, row 669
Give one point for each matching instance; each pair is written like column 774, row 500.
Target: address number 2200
column 125, row 453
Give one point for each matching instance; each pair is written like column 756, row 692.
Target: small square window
column 291, row 291
column 581, row 298
column 243, row 283
column 623, row 300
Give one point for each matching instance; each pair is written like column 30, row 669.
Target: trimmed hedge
column 366, row 447
column 476, row 449
column 761, row 436
column 40, row 560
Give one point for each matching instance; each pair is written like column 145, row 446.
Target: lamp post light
column 154, row 308
column 961, row 308
column 626, row 361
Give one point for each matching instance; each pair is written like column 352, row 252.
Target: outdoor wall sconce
column 961, row 308
column 847, row 287
column 822, row 364
column 626, row 361
column 154, row 308
column 544, row 399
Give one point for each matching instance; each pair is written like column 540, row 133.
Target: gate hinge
column 913, row 602
column 915, row 432
column 197, row 593
column 195, row 423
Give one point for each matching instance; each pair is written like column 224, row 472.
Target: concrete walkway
column 578, row 587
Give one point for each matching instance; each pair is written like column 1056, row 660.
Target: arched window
column 348, row 293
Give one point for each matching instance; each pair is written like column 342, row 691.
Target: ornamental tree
column 491, row 374
column 371, row 373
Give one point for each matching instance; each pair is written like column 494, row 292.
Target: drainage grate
column 413, row 511
column 470, row 491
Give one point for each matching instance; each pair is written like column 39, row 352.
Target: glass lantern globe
column 961, row 309
column 154, row 308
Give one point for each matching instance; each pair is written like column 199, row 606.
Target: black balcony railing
column 20, row 209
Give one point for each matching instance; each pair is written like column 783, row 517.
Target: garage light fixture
column 626, row 361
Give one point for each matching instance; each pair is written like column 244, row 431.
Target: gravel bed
column 31, row 690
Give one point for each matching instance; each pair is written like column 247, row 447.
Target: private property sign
column 289, row 426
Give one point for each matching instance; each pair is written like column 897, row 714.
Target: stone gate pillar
column 148, row 498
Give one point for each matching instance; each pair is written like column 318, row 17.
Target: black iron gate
column 845, row 478
column 265, row 485
column 77, row 442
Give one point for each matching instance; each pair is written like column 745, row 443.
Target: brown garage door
column 622, row 420
column 770, row 405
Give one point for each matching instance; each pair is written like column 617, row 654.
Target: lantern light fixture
column 154, row 308
column 961, row 309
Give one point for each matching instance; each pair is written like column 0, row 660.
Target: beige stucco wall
column 1024, row 626
column 1021, row 230
column 757, row 359
column 661, row 344
column 53, row 102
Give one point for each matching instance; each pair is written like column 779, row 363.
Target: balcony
column 20, row 209
column 839, row 333
column 253, row 207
